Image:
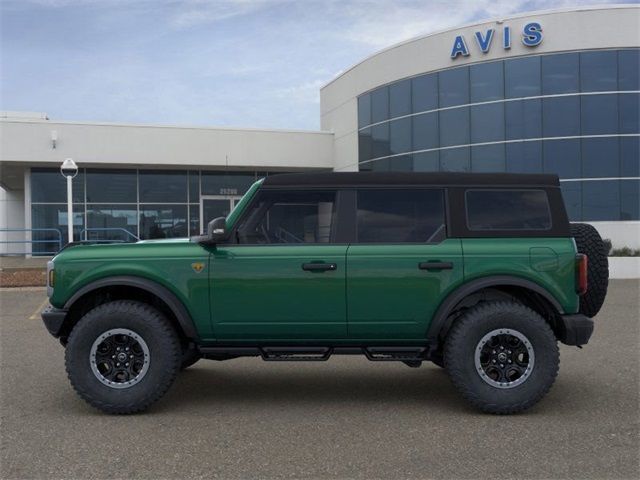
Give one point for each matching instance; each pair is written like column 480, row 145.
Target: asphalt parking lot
column 345, row 418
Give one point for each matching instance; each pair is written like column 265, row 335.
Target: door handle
column 435, row 265
column 319, row 267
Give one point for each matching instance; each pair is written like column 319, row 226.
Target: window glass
column 49, row 186
column 507, row 210
column 194, row 220
column 629, row 200
column 487, row 82
column 194, row 186
column 454, row 87
column 425, row 131
column 111, row 222
column 629, row 112
column 426, row 161
column 560, row 73
column 601, row 200
column 401, row 163
column 380, row 140
column 598, row 71
column 455, row 160
column 488, row 158
column 487, row 123
column 112, row 186
column 396, row 216
column 400, row 99
column 524, row 157
column 226, row 183
column 365, row 145
column 572, row 195
column 289, row 217
column 400, row 135
column 630, row 156
column 163, row 186
column 424, row 93
column 52, row 217
column 561, row 116
column 364, row 110
column 163, row 221
column 382, row 165
column 454, row 127
column 629, row 70
column 523, row 119
column 599, row 114
column 522, row 77
column 600, row 157
column 562, row 157
column 380, row 104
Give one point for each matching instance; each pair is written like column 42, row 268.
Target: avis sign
column 531, row 37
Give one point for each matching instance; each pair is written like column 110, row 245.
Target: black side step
column 295, row 354
column 396, row 354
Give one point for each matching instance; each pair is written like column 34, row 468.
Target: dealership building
column 555, row 92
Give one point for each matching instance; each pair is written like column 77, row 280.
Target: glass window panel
column 560, row 73
column 454, row 127
column 572, row 195
column 425, row 131
column 561, row 116
column 488, row 158
column 599, row 114
column 364, row 110
column 487, row 123
column 507, row 210
column 289, row 217
column 454, row 87
column 365, row 167
column 562, row 157
column 629, row 112
column 523, row 119
column 383, row 165
column 194, row 220
column 601, row 200
column 108, row 222
column 629, row 200
column 163, row 221
column 49, row 186
column 112, row 186
column 52, row 217
column 400, row 99
column 629, row 70
column 226, row 183
column 159, row 186
column 522, row 77
column 600, row 157
column 397, row 216
column 365, row 145
column 598, row 71
column 455, row 160
column 630, row 156
column 380, row 140
column 194, row 186
column 426, row 161
column 424, row 93
column 402, row 163
column 524, row 157
column 400, row 135
column 380, row 105
column 487, row 82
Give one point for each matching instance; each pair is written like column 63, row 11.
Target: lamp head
column 69, row 168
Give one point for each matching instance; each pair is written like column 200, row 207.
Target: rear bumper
column 575, row 329
column 53, row 319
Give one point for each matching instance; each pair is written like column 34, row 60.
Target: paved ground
column 347, row 418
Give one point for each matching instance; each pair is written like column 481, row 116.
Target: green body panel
column 389, row 297
column 262, row 292
column 166, row 262
column 548, row 262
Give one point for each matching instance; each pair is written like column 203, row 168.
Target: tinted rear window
column 507, row 210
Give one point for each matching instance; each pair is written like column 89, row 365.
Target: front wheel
column 502, row 356
column 122, row 356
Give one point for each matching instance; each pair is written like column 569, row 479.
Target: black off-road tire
column 463, row 340
column 190, row 356
column 589, row 242
column 165, row 356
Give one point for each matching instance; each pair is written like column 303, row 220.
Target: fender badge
column 197, row 266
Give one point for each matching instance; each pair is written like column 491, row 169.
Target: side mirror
column 217, row 230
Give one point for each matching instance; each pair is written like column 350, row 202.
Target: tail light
column 582, row 262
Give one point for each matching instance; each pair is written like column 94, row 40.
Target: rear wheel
column 502, row 356
column 589, row 242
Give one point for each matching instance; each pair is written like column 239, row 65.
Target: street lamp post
column 69, row 169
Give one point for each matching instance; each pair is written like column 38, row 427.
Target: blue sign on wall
column 531, row 37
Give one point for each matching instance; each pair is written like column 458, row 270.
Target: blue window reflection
column 599, row 114
column 600, row 158
column 365, row 145
column 599, row 71
column 424, row 91
column 629, row 204
column 454, row 87
column 380, row 105
column 629, row 69
column 524, row 157
column 560, row 73
column 562, row 157
column 400, row 135
column 426, row 161
column 488, row 158
column 487, row 122
column 487, row 82
column 455, row 159
column 629, row 112
column 601, row 200
column 454, row 127
column 380, row 140
column 400, row 99
column 523, row 119
column 522, row 77
column 630, row 156
column 561, row 116
column 364, row 110
column 572, row 195
column 425, row 131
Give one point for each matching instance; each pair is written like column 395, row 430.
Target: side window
column 396, row 216
column 280, row 217
column 507, row 210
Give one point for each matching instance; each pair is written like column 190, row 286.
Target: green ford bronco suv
column 481, row 274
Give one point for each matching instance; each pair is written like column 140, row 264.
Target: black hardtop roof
column 410, row 178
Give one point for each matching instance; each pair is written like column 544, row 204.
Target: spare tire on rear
column 589, row 242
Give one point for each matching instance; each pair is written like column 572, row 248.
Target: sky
column 243, row 63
